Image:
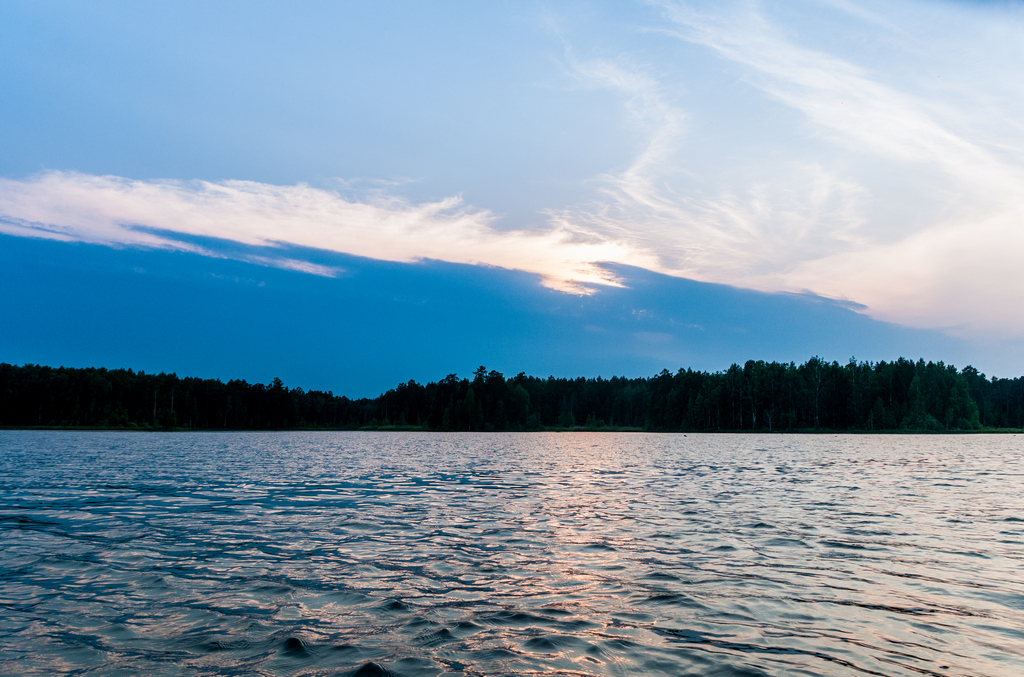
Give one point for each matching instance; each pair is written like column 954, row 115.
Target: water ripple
column 538, row 554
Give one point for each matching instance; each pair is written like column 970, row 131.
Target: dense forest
column 762, row 396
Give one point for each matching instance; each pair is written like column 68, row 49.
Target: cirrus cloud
column 117, row 211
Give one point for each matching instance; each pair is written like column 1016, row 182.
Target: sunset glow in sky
column 866, row 152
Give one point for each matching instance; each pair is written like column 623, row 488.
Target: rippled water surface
column 569, row 554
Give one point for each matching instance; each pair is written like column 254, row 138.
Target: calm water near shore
column 567, row 554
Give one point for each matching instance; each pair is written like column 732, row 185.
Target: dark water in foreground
column 569, row 554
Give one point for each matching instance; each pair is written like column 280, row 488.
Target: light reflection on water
column 570, row 554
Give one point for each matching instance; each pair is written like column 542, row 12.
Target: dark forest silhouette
column 758, row 396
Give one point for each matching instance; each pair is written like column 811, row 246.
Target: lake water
column 489, row 554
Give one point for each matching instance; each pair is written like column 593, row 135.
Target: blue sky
column 847, row 170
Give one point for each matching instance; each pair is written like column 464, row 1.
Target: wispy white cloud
column 800, row 211
column 947, row 265
column 158, row 214
column 900, row 196
column 843, row 97
column 962, row 276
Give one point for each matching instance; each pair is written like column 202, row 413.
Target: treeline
column 758, row 396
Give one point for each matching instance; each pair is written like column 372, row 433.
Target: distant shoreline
column 424, row 429
column 902, row 396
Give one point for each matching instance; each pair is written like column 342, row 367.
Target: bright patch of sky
column 869, row 151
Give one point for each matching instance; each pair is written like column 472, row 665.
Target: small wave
column 296, row 646
column 372, row 669
column 674, row 599
column 513, row 619
column 394, row 605
column 556, row 643
column 432, row 639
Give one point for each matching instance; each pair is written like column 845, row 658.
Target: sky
column 348, row 195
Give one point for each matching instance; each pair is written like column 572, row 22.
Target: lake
column 304, row 553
